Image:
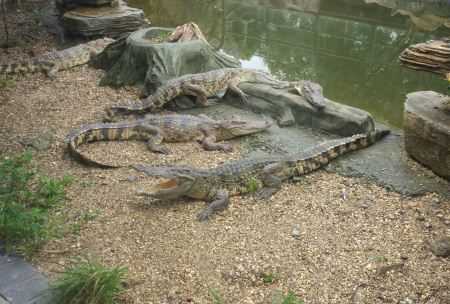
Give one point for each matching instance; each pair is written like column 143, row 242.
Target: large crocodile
column 52, row 62
column 204, row 85
column 170, row 128
column 261, row 175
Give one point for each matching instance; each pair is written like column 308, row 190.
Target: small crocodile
column 52, row 62
column 204, row 85
column 262, row 175
column 170, row 128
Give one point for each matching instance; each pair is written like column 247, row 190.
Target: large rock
column 108, row 21
column 288, row 109
column 427, row 130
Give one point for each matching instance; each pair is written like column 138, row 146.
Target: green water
column 351, row 48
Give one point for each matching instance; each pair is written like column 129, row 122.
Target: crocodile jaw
column 170, row 189
column 236, row 128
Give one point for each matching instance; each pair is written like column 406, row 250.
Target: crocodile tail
column 140, row 107
column 22, row 67
column 97, row 132
column 324, row 153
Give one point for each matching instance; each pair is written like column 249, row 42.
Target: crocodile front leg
column 155, row 138
column 271, row 182
column 198, row 92
column 233, row 87
column 219, row 202
column 209, row 143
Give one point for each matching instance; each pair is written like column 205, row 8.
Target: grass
column 289, row 298
column 268, row 278
column 216, row 297
column 88, row 282
column 252, row 185
column 6, row 83
column 26, row 201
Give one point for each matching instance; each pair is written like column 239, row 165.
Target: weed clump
column 88, row 282
column 26, row 200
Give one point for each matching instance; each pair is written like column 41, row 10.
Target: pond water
column 350, row 47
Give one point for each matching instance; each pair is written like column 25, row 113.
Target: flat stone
column 427, row 130
column 73, row 3
column 441, row 247
column 21, row 283
column 108, row 21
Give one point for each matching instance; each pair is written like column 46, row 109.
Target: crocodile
column 52, row 62
column 169, row 128
column 204, row 85
column 262, row 175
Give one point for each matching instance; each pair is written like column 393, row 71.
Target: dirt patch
column 327, row 238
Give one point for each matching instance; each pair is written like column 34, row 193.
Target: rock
column 108, row 21
column 74, row 3
column 296, row 231
column 441, row 247
column 288, row 108
column 427, row 131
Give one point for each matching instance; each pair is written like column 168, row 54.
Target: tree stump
column 427, row 130
column 145, row 58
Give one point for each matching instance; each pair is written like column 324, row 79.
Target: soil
column 327, row 238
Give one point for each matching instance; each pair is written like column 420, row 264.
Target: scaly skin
column 204, row 85
column 52, row 62
column 169, row 128
column 261, row 175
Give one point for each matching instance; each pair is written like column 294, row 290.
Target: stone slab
column 21, row 283
column 427, row 130
column 108, row 21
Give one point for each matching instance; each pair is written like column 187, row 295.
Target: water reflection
column 349, row 46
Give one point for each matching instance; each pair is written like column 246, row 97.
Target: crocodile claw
column 265, row 193
column 204, row 215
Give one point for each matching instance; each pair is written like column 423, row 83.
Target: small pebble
column 296, row 231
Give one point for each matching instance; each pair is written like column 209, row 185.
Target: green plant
column 26, row 199
column 252, row 185
column 6, row 83
column 216, row 297
column 88, row 282
column 290, row 298
column 268, row 278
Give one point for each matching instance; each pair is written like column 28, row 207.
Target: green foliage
column 216, row 297
column 252, row 185
column 26, row 199
column 6, row 83
column 290, row 298
column 268, row 278
column 89, row 282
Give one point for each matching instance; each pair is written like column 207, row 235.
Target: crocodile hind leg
column 220, row 202
column 50, row 69
column 209, row 143
column 271, row 182
column 198, row 92
column 233, row 87
column 155, row 138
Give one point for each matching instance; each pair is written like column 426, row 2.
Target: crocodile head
column 97, row 46
column 171, row 188
column 236, row 127
column 313, row 92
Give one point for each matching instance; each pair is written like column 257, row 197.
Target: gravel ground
column 327, row 238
